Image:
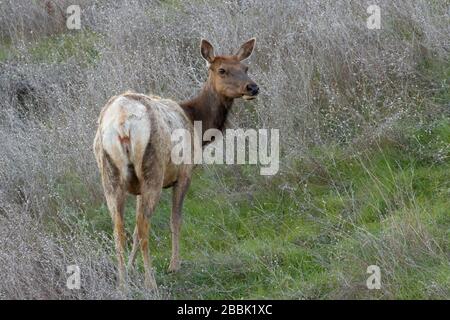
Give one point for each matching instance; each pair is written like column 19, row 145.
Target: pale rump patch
column 126, row 124
column 125, row 130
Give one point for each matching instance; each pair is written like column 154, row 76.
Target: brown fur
column 143, row 170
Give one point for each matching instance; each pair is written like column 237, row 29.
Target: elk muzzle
column 252, row 91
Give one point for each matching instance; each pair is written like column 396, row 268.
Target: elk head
column 227, row 74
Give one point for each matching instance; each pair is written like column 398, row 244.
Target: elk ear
column 246, row 49
column 207, row 51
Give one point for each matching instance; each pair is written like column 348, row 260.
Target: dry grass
column 325, row 79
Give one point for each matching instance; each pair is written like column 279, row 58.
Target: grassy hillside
column 295, row 236
column 364, row 118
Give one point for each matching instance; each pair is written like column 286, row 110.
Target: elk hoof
column 151, row 285
column 174, row 266
column 122, row 287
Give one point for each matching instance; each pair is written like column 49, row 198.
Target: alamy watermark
column 374, row 281
column 374, row 20
column 238, row 146
column 74, row 279
column 73, row 21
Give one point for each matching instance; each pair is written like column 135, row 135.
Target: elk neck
column 209, row 107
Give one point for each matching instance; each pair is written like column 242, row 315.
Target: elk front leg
column 179, row 191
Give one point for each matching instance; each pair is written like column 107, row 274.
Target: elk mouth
column 246, row 97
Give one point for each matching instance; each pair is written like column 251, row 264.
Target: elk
column 133, row 146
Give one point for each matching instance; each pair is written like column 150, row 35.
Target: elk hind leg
column 135, row 246
column 145, row 207
column 115, row 198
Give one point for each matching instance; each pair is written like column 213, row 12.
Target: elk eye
column 222, row 71
column 246, row 69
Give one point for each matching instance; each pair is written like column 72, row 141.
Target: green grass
column 77, row 46
column 311, row 231
column 6, row 49
column 282, row 238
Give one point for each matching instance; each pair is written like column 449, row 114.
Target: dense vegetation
column 364, row 118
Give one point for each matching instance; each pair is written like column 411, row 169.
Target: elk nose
column 253, row 89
